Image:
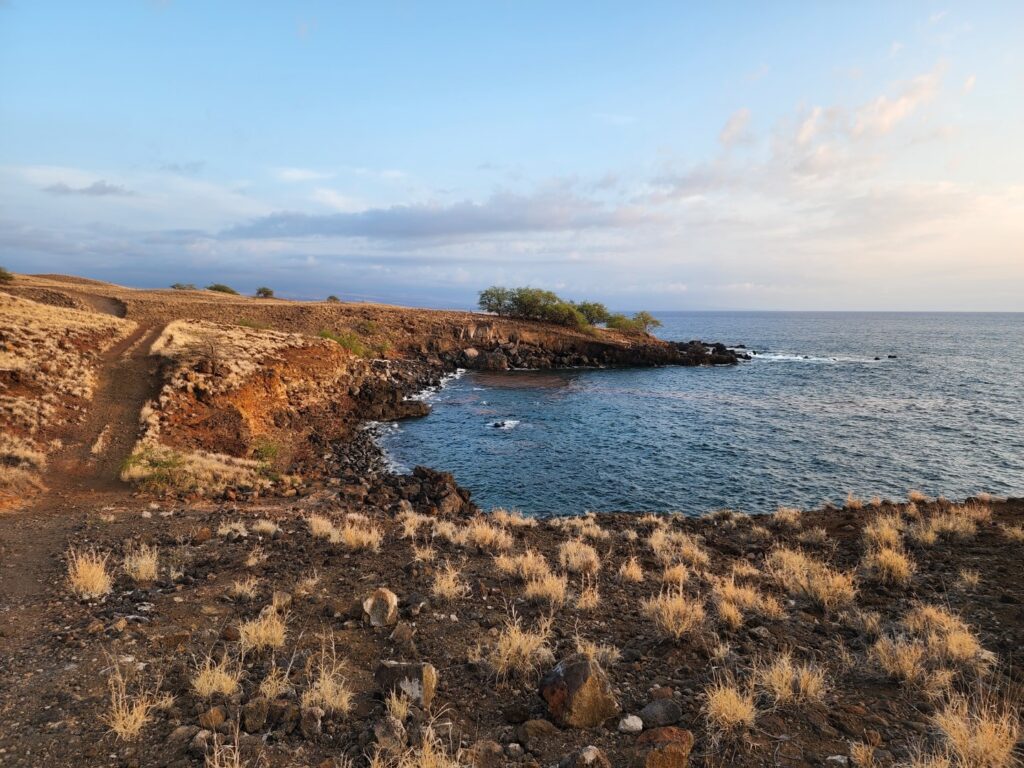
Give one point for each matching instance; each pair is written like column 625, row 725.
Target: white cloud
column 969, row 83
column 301, row 174
column 881, row 115
column 735, row 131
column 337, row 201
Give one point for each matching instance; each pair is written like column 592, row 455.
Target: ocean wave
column 506, row 424
column 426, row 394
column 792, row 357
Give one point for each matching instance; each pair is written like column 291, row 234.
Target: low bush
column 221, row 288
column 264, row 293
column 5, row 276
column 183, row 286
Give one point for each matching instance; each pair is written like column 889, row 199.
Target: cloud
column 938, row 16
column 301, row 174
column 881, row 115
column 190, row 168
column 99, row 188
column 969, row 83
column 553, row 211
column 735, row 129
column 612, row 118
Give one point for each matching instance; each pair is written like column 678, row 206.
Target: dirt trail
column 32, row 540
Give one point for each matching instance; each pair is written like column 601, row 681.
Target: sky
column 782, row 155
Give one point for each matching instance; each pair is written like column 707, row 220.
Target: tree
column 333, row 299
column 646, row 321
column 5, row 276
column 593, row 311
column 264, row 293
column 221, row 288
column 183, row 286
column 496, row 299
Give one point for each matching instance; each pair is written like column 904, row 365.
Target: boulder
column 310, row 722
column 485, row 754
column 588, row 757
column 381, row 608
column 534, row 734
column 631, row 724
column 417, row 680
column 212, row 718
column 667, row 747
column 254, row 714
column 661, row 712
column 578, row 693
column 390, row 735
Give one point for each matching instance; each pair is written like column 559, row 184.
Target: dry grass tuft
column 266, row 527
column 142, row 563
column 803, row 576
column 787, row 517
column 267, row 631
column 236, row 528
column 328, row 688
column 888, row 566
column 675, row 614
column 275, row 684
column 730, row 615
column 128, row 713
column 531, row 564
column 589, row 597
column 521, row 651
column 631, row 571
column 216, row 678
column 1014, row 533
column 968, row 579
column 788, row 683
column 245, row 589
column 676, row 546
column 488, row 537
column 852, row 502
column 728, row 708
column 916, row 497
column 862, row 755
column 885, row 531
column 813, row 537
column 550, row 588
column 585, row 526
column 398, row 705
column 677, row 574
column 901, row 659
column 512, row 519
column 87, row 573
column 577, row 556
column 979, row 733
column 358, row 536
column 605, row 655
column 448, row 584
column 321, row 527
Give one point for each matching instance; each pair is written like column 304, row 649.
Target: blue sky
column 729, row 155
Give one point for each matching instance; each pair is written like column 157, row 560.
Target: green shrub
column 183, row 286
column 349, row 341
column 641, row 322
column 265, row 450
column 221, row 288
column 333, row 299
column 5, row 276
column 245, row 322
column 593, row 311
column 264, row 293
column 531, row 304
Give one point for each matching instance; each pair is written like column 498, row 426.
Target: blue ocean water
column 812, row 418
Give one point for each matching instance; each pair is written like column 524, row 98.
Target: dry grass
column 490, row 538
column 813, row 537
column 675, row 614
column 216, row 678
column 923, row 533
column 884, row 531
column 854, row 503
column 1014, row 533
column 159, row 468
column 728, row 709
column 787, row 517
column 968, row 579
column 603, row 654
column 677, row 574
column 128, row 713
column 550, row 588
column 267, row 631
column 916, row 497
column 266, row 527
column 424, row 554
column 446, row 530
column 233, row 527
column 577, row 556
column 520, row 651
column 257, row 556
column 730, row 615
column 862, row 755
column 631, row 571
column 244, row 589
column 328, row 688
column 979, row 733
column 411, row 523
column 585, row 526
column 87, row 573
column 321, row 527
column 589, row 597
column 888, row 566
column 398, row 705
column 676, row 546
column 448, row 584
column 358, row 536
column 804, row 576
column 512, row 519
column 901, row 659
column 529, row 565
column 786, row 682
column 142, row 563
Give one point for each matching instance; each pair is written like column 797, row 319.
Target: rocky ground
column 321, row 611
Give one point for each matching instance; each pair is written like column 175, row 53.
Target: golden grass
column 267, row 631
column 884, row 531
column 589, row 597
column 244, row 589
column 677, row 574
column 233, row 527
column 728, row 709
column 520, row 651
column 328, row 688
column 968, row 578
column 212, row 678
column 446, row 530
column 924, row 533
column 916, row 497
column 512, row 519
column 87, row 573
column 804, row 576
column 424, row 554
column 901, row 659
column 160, row 468
column 488, row 537
column 358, row 536
column 321, row 527
column 676, row 546
column 888, row 566
column 631, row 571
column 257, row 556
column 862, row 755
column 142, row 563
column 411, row 523
column 979, row 733
column 429, row 753
column 585, row 526
column 787, row 517
column 730, row 615
column 813, row 537
column 674, row 613
column 1014, row 533
column 275, row 684
column 528, row 565
column 577, row 556
column 604, row 654
column 448, row 584
column 128, row 713
column 398, row 705
column 266, row 527
column 786, row 682
column 550, row 588
column 852, row 502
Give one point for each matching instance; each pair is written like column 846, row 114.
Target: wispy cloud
column 735, row 131
column 99, row 188
column 301, row 174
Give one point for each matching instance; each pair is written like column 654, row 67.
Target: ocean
column 821, row 412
